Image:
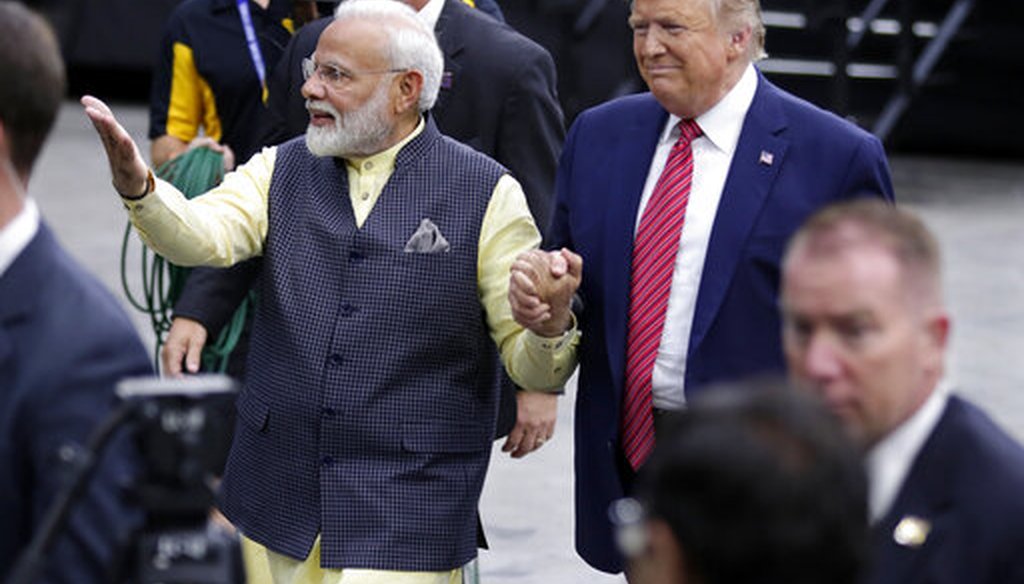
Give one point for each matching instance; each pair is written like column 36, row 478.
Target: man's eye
column 854, row 331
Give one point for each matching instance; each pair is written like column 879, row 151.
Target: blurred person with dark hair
column 64, row 340
column 865, row 327
column 752, row 483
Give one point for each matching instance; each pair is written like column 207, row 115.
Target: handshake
column 541, row 288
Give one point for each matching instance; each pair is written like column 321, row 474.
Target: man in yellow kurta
column 365, row 425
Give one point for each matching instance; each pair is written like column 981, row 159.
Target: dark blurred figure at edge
column 64, row 340
column 751, row 483
column 590, row 42
column 497, row 96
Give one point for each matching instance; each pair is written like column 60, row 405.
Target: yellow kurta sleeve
column 218, row 228
column 508, row 230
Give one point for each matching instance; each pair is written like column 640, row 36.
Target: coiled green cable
column 194, row 172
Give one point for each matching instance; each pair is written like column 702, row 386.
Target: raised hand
column 541, row 286
column 128, row 169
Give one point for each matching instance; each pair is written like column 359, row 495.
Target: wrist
column 149, row 187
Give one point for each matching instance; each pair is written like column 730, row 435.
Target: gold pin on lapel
column 911, row 531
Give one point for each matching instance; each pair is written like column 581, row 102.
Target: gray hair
column 412, row 44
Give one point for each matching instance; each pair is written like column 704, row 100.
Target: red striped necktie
column 654, row 257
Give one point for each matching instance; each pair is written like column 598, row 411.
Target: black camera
column 182, row 430
column 183, row 435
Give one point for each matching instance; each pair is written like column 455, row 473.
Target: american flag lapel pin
column 766, row 158
column 446, row 80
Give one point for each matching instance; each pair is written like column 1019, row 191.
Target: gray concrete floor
column 975, row 207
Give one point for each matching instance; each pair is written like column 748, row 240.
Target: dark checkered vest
column 370, row 404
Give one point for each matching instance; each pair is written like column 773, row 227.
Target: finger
column 92, row 103
column 515, row 437
column 524, row 286
column 557, row 264
column 170, row 358
column 575, row 262
column 192, row 359
column 528, row 443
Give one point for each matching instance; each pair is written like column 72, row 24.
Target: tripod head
column 183, row 437
column 180, row 428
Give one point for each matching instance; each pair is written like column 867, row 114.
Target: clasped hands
column 541, row 287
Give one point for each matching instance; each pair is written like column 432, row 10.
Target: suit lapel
column 451, row 43
column 924, row 498
column 18, row 286
column 760, row 153
column 633, row 155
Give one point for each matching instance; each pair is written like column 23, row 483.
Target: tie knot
column 688, row 130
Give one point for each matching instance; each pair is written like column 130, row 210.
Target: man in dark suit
column 64, row 340
column 680, row 202
column 497, row 96
column 866, row 329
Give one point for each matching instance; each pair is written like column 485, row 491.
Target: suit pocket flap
column 252, row 410
column 442, row 436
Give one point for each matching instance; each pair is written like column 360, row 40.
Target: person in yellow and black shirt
column 211, row 75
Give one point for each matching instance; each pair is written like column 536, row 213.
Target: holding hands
column 541, row 288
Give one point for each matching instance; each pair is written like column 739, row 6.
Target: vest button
column 356, row 256
column 336, row 359
column 347, row 309
column 328, row 412
column 327, row 461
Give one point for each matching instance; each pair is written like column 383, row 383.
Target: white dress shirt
column 16, row 235
column 712, row 156
column 888, row 462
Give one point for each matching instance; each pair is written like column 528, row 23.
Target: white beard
column 360, row 132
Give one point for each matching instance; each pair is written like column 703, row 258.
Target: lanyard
column 254, row 46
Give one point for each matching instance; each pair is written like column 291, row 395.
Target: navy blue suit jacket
column 816, row 158
column 64, row 344
column 968, row 483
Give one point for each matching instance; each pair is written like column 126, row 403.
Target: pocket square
column 427, row 239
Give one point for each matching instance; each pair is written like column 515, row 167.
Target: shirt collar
column 888, row 462
column 16, row 235
column 384, row 161
column 431, row 12
column 723, row 123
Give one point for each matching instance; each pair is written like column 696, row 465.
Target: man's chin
column 320, row 141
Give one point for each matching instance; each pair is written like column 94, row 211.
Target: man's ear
column 739, row 42
column 409, row 86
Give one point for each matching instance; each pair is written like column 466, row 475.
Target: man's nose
column 650, row 44
column 313, row 88
column 822, row 359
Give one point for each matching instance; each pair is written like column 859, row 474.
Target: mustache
column 322, row 107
